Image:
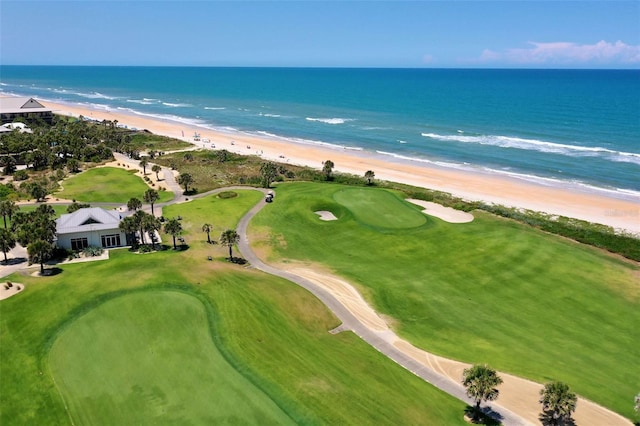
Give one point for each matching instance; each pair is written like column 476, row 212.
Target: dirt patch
column 441, row 212
column 8, row 289
column 326, row 215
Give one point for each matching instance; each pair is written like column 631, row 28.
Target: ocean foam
column 174, row 105
column 540, row 146
column 330, row 120
column 214, row 108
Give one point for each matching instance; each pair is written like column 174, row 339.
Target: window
column 112, row 240
column 79, row 243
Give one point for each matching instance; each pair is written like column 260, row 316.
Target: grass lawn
column 489, row 291
column 273, row 333
column 150, row 359
column 107, row 185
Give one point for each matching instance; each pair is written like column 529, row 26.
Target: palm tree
column 369, row 175
column 207, row 228
column 138, row 218
column 327, row 169
column 150, row 224
column 185, row 179
column 143, row 163
column 558, row 402
column 39, row 252
column 156, row 169
column 174, row 228
column 269, row 172
column 481, row 382
column 7, row 242
column 134, row 204
column 151, row 196
column 7, row 209
column 129, row 226
column 229, row 238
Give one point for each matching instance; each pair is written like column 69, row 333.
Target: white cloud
column 566, row 53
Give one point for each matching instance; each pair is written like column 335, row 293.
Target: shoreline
column 622, row 214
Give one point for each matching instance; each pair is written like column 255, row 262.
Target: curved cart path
column 518, row 402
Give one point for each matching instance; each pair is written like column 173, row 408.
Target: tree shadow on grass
column 486, row 417
column 237, row 260
column 50, row 272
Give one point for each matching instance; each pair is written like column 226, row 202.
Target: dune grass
column 489, row 291
column 272, row 332
column 148, row 357
column 107, row 185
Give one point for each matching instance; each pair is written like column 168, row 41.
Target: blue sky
column 521, row 34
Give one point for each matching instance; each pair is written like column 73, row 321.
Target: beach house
column 12, row 108
column 92, row 226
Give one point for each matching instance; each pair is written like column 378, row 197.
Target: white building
column 91, row 226
column 15, row 107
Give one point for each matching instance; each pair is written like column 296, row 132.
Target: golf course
column 186, row 337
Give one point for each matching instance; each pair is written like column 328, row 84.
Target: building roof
column 88, row 219
column 20, row 105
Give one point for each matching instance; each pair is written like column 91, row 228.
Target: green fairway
column 272, row 332
column 489, row 291
column 149, row 357
column 107, row 185
column 379, row 209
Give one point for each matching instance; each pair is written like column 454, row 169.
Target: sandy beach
column 621, row 214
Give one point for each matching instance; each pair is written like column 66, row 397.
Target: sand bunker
column 8, row 289
column 445, row 213
column 326, row 215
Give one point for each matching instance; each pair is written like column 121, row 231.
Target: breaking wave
column 540, row 146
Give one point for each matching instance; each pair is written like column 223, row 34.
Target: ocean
column 566, row 128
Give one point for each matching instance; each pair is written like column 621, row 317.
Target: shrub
column 21, row 175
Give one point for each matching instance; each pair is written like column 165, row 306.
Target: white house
column 91, row 226
column 15, row 107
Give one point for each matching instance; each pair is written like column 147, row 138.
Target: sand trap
column 326, row 215
column 441, row 212
column 11, row 291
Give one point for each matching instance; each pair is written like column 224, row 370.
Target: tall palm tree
column 369, row 175
column 481, row 382
column 151, row 196
column 229, row 238
column 143, row 163
column 558, row 402
column 129, row 226
column 207, row 228
column 173, row 227
column 327, row 169
column 39, row 252
column 156, row 169
column 185, row 179
column 7, row 242
column 7, row 209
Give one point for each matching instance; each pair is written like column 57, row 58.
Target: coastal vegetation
column 540, row 303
